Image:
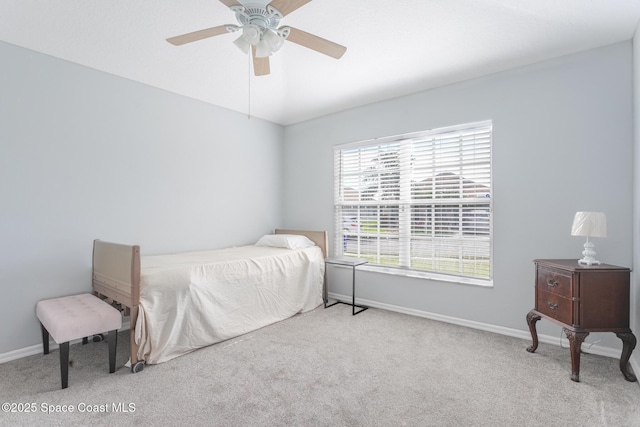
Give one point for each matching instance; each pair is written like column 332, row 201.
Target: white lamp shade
column 589, row 224
column 262, row 49
column 275, row 41
column 251, row 34
column 242, row 44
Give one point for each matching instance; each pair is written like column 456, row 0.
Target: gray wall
column 86, row 155
column 563, row 142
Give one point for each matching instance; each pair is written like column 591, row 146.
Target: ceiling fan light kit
column 259, row 28
column 260, row 32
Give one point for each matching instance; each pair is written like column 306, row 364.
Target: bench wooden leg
column 112, row 338
column 45, row 339
column 64, row 363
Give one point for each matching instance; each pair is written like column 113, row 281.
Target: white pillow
column 290, row 241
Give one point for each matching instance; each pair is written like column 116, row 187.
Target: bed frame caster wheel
column 95, row 338
column 137, row 367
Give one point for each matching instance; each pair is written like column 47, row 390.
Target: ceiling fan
column 260, row 32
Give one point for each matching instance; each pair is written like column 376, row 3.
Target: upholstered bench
column 74, row 317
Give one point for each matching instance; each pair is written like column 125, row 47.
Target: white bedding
column 191, row 300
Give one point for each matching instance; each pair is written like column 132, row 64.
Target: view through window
column 418, row 202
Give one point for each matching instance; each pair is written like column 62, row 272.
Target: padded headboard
column 320, row 238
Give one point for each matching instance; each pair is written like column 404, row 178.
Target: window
column 419, row 202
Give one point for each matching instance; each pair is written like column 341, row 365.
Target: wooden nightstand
column 583, row 299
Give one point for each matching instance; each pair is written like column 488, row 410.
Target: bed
column 178, row 303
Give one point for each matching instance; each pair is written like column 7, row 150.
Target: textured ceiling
column 394, row 47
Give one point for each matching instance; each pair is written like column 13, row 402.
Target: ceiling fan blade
column 316, row 43
column 197, row 35
column 230, row 3
column 287, row 6
column 260, row 65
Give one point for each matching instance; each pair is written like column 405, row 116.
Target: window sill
column 426, row 275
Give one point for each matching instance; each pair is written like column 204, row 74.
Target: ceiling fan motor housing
column 266, row 18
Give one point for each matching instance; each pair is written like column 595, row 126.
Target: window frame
column 406, row 204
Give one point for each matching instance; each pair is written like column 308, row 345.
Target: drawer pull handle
column 552, row 282
column 552, row 306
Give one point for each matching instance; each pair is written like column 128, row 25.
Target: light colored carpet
column 328, row 368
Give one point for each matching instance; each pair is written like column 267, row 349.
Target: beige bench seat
column 74, row 317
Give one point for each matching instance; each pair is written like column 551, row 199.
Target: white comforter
column 195, row 299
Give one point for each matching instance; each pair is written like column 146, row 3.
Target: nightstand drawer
column 554, row 282
column 554, row 306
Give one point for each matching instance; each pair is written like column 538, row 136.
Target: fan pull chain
column 249, row 91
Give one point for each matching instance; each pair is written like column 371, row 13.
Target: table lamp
column 589, row 224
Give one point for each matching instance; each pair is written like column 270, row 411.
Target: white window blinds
column 420, row 201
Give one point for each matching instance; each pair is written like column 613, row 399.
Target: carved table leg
column 532, row 318
column 575, row 342
column 628, row 344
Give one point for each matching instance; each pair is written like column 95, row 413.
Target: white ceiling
column 395, row 47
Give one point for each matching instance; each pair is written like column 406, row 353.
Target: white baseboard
column 37, row 349
column 516, row 333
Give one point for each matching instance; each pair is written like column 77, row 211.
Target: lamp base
column 589, row 254
column 588, row 261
